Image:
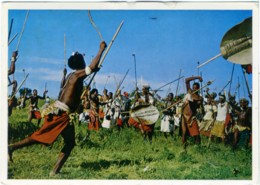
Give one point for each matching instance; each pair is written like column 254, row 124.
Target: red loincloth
column 194, row 128
column 119, row 122
column 101, row 113
column 94, row 121
column 36, row 114
column 133, row 123
column 147, row 128
column 50, row 130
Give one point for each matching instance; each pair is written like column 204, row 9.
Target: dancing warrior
column 56, row 116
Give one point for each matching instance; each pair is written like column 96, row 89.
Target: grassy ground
column 124, row 155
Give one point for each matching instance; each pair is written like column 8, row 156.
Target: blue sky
column 176, row 40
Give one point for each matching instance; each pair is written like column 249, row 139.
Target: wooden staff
column 178, row 83
column 19, row 40
column 20, row 86
column 115, row 81
column 94, row 25
column 208, row 83
column 45, row 88
column 10, row 29
column 247, row 85
column 65, row 50
column 231, row 78
column 106, row 51
column 110, row 44
column 169, row 83
column 106, row 82
column 238, row 88
column 120, row 83
column 201, row 84
column 135, row 70
column 12, row 39
column 224, row 87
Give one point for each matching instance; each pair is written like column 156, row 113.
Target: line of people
column 191, row 114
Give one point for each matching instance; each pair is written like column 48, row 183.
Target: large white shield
column 146, row 114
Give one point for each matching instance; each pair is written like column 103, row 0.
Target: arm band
column 88, row 70
column 13, row 59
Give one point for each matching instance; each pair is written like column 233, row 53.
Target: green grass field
column 110, row 154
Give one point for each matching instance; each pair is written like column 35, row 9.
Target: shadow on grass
column 104, row 164
column 20, row 130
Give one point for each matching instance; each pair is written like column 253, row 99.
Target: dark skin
column 196, row 97
column 71, row 93
column 12, row 67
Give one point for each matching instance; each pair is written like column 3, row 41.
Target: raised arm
column 44, row 95
column 187, row 81
column 13, row 60
column 94, row 64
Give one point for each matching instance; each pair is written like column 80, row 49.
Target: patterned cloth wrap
column 55, row 108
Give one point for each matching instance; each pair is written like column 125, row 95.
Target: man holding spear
column 56, row 116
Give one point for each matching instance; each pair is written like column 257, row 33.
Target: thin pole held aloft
column 10, row 29
column 168, row 83
column 110, row 44
column 27, row 14
column 20, row 86
column 12, row 39
column 208, row 61
column 106, row 51
column 231, row 77
column 64, row 50
column 208, row 83
column 177, row 89
column 94, row 25
column 135, row 70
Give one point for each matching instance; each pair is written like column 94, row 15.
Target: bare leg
column 25, row 142
column 30, row 116
column 235, row 138
column 68, row 135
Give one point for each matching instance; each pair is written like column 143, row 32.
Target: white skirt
column 165, row 124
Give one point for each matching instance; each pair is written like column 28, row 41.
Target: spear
column 121, row 82
column 20, row 86
column 116, row 81
column 168, row 83
column 238, row 88
column 106, row 81
column 208, row 83
column 224, row 87
column 64, row 50
column 135, row 70
column 106, row 51
column 19, row 40
column 12, row 39
column 247, row 86
column 94, row 25
column 231, row 77
column 10, row 29
column 178, row 83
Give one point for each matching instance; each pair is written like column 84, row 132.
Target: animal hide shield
column 236, row 45
column 146, row 114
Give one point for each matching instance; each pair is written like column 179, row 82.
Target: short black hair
column 93, row 91
column 197, row 84
column 76, row 61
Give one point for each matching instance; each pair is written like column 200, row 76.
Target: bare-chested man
column 56, row 116
column 11, row 71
